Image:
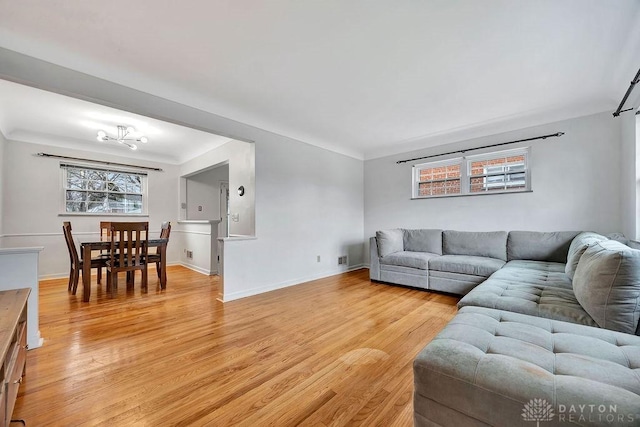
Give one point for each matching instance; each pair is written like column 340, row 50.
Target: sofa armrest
column 374, row 260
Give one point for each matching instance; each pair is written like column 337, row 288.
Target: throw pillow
column 389, row 241
column 607, row 285
column 578, row 245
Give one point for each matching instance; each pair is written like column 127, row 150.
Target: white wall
column 203, row 190
column 629, row 174
column 201, row 239
column 240, row 157
column 33, row 203
column 308, row 203
column 3, row 143
column 575, row 183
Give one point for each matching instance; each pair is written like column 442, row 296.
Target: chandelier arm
column 123, row 132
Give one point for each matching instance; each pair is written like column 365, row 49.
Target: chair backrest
column 129, row 243
column 105, row 229
column 71, row 246
column 165, row 231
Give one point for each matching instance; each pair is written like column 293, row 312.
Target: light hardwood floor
column 336, row 351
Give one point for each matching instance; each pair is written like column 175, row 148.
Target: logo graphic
column 537, row 410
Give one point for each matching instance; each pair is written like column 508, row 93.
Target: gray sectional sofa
column 546, row 332
column 457, row 261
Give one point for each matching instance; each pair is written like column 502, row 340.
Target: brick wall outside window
column 497, row 172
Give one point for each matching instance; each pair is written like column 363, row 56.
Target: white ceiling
column 41, row 117
column 364, row 77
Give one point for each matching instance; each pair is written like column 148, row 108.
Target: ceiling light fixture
column 125, row 134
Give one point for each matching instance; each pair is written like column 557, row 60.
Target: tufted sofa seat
column 486, row 365
column 531, row 287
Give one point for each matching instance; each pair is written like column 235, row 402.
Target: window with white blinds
column 496, row 172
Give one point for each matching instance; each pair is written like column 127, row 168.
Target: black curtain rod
column 634, row 82
column 484, row 146
column 98, row 161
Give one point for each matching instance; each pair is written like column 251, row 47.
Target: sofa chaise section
column 601, row 289
column 487, row 365
column 536, row 288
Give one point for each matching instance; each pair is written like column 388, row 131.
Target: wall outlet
column 199, row 208
column 183, row 205
column 189, row 254
column 235, row 217
column 318, row 258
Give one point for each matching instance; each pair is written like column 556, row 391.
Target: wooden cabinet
column 13, row 348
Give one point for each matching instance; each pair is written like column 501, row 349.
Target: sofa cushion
column 543, row 291
column 548, row 272
column 408, row 259
column 389, row 241
column 607, row 285
column 579, row 244
column 486, row 365
column 539, row 246
column 423, row 241
column 465, row 264
column 491, row 244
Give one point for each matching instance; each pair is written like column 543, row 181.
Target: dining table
column 104, row 244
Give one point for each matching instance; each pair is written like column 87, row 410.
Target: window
column 497, row 172
column 103, row 191
column 438, row 178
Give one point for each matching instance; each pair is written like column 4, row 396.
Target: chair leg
column 145, row 279
column 114, row 283
column 158, row 270
column 99, row 275
column 70, row 279
column 76, row 279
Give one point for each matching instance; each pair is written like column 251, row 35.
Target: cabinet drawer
column 15, row 368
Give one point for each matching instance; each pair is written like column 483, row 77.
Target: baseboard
column 53, row 276
column 35, row 341
column 198, row 269
column 260, row 290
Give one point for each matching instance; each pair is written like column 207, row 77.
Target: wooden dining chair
column 105, row 233
column 165, row 231
column 129, row 246
column 105, row 230
column 76, row 262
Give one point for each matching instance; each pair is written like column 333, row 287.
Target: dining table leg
column 86, row 273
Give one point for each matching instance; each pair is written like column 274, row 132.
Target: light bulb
column 143, row 139
column 133, row 147
column 101, row 134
